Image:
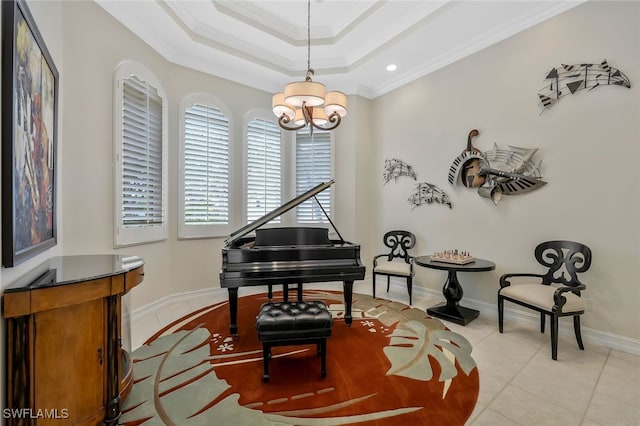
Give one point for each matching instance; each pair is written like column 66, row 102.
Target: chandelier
column 306, row 103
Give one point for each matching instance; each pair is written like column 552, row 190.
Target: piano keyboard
column 456, row 166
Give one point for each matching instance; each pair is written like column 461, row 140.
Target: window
column 264, row 169
column 313, row 166
column 140, row 156
column 204, row 205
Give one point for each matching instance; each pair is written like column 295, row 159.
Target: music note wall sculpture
column 498, row 172
column 568, row 79
column 428, row 193
column 395, row 168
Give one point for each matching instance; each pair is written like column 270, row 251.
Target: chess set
column 456, row 257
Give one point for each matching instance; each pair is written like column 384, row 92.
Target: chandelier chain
column 308, row 37
column 305, row 103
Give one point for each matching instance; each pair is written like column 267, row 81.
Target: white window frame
column 190, row 231
column 284, row 176
column 133, row 235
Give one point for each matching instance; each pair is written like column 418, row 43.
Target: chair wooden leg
column 374, row 285
column 554, row 336
column 410, row 289
column 388, row 282
column 576, row 328
column 500, row 312
column 542, row 321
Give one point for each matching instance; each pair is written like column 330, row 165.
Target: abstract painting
column 29, row 128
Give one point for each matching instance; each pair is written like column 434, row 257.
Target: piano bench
column 293, row 323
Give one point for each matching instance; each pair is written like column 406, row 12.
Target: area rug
column 394, row 365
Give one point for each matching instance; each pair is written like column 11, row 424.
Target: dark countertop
column 62, row 270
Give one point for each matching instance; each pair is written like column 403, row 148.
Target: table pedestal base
column 452, row 290
column 458, row 314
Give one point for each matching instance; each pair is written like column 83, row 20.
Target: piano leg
column 299, row 292
column 347, row 290
column 233, row 311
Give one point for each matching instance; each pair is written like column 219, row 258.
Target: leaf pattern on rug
column 174, row 380
column 412, row 343
column 176, row 383
column 183, row 391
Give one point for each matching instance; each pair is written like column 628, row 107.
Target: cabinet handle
column 100, row 355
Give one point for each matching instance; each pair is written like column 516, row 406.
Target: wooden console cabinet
column 66, row 364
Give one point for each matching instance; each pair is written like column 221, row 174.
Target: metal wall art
column 568, row 79
column 395, row 168
column 427, row 193
column 497, row 172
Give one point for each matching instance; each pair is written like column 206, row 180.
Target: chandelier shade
column 335, row 102
column 307, row 103
column 304, row 92
column 280, row 107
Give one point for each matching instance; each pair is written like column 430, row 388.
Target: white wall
column 589, row 144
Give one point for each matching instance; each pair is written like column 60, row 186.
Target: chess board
column 454, row 258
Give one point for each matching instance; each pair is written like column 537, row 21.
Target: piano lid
column 277, row 212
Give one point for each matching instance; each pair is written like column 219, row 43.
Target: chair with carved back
column 555, row 293
column 398, row 262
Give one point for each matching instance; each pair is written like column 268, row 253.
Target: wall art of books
column 497, row 172
column 568, row 79
column 394, row 168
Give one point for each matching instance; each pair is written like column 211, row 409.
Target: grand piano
column 288, row 255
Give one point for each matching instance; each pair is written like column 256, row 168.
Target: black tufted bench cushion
column 293, row 323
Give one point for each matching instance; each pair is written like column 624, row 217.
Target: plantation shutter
column 206, row 168
column 264, row 169
column 313, row 166
column 142, row 202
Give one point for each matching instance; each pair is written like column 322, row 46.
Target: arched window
column 140, row 109
column 204, row 193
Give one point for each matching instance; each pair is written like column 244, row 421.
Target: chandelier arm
column 284, row 120
column 334, row 118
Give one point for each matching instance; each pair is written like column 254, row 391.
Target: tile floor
column 519, row 382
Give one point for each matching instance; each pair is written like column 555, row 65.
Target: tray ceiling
column 263, row 43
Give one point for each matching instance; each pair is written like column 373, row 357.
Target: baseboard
column 589, row 335
column 169, row 300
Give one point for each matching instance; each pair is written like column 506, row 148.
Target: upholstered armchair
column 555, row 293
column 397, row 262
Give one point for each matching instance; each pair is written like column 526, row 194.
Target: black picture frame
column 29, row 137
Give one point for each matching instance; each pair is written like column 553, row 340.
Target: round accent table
column 451, row 310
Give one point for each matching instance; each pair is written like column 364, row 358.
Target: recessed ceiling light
column 392, row 67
